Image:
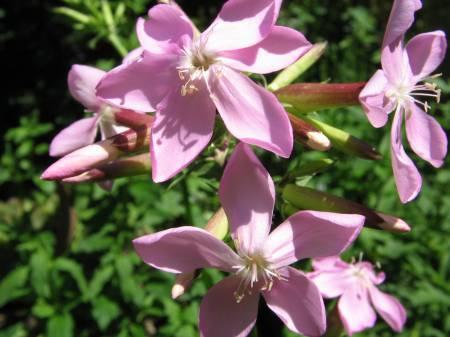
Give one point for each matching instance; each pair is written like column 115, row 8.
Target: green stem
column 187, row 202
column 117, row 43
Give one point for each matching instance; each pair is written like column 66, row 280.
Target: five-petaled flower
column 185, row 76
column 260, row 265
column 82, row 81
column 401, row 86
column 356, row 286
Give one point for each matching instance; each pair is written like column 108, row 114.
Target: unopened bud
column 123, row 167
column 182, row 283
column 318, row 141
column 393, row 223
column 309, row 199
column 218, row 224
column 308, row 135
column 345, row 142
column 92, row 156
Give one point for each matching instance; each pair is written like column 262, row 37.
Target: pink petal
column 241, row 24
column 400, row 19
column 311, row 234
column 297, row 302
column 395, row 64
column 166, row 25
column 331, row 283
column 426, row 52
column 184, row 249
column 82, row 81
column 368, row 269
column 389, row 308
column 79, row 161
column 329, row 263
column 140, row 84
column 355, row 310
column 374, row 101
column 251, row 113
column 133, row 55
column 247, row 195
column 222, row 316
column 73, row 137
column 426, row 136
column 182, row 129
column 282, row 47
column 407, row 178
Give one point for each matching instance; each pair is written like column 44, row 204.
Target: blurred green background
column 67, row 267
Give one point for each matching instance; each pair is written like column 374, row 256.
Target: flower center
column 194, row 66
column 254, row 271
column 418, row 93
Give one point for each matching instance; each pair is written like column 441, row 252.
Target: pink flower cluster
column 187, row 78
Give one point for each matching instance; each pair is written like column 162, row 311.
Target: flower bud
column 92, row 156
column 307, row 198
column 123, row 167
column 218, row 224
column 345, row 142
column 182, row 283
column 309, row 135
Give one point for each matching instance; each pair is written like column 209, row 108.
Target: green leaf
column 17, row 330
column 60, row 326
column 12, row 286
column 99, row 280
column 40, row 267
column 74, row 270
column 42, row 309
column 104, row 311
column 130, row 290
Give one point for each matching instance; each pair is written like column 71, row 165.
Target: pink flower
column 260, row 265
column 186, row 76
column 82, row 81
column 356, row 284
column 401, row 86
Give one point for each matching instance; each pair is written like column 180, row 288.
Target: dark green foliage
column 67, row 263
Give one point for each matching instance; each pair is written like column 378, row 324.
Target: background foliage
column 67, row 267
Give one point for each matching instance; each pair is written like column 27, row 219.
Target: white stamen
column 402, row 93
column 194, row 66
column 255, row 272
